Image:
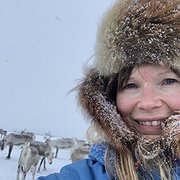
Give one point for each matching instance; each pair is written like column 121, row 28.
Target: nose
column 149, row 99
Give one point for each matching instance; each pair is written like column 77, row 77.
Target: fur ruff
column 102, row 110
column 131, row 33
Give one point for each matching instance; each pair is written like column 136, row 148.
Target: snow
column 8, row 169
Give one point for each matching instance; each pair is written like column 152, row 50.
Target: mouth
column 149, row 123
column 149, row 127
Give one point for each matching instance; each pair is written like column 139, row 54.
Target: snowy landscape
column 8, row 168
column 43, row 49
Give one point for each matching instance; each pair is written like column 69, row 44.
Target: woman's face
column 151, row 94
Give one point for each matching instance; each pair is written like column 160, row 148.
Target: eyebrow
column 161, row 73
column 131, row 78
column 167, row 72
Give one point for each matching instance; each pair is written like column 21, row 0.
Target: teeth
column 150, row 123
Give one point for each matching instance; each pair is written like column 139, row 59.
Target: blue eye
column 170, row 81
column 130, row 86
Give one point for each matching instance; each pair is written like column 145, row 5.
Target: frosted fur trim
column 106, row 56
column 171, row 132
column 102, row 110
column 136, row 32
column 170, row 138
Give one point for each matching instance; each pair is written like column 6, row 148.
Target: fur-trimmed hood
column 131, row 33
column 138, row 32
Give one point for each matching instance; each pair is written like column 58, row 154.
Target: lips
column 149, row 126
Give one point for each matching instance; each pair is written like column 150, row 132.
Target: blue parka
column 93, row 168
column 86, row 169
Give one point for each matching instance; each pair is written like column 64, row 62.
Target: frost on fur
column 102, row 110
column 136, row 32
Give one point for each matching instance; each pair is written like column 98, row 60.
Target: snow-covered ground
column 8, row 168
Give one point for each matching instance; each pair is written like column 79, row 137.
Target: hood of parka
column 130, row 33
column 135, row 32
column 102, row 110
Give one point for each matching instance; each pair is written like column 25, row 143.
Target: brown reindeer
column 44, row 150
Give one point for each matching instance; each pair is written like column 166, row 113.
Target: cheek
column 172, row 99
column 124, row 105
column 174, row 104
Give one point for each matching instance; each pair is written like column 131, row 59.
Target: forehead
column 149, row 70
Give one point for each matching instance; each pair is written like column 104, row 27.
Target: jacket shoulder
column 83, row 169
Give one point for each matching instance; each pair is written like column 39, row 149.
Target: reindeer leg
column 34, row 171
column 2, row 145
column 40, row 164
column 57, row 149
column 10, row 150
column 18, row 171
column 24, row 175
column 44, row 163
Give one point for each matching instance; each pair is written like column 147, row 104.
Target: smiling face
column 149, row 96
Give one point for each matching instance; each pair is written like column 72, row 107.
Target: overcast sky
column 44, row 45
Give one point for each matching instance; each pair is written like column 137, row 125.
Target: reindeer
column 28, row 159
column 80, row 151
column 44, row 150
column 28, row 133
column 63, row 143
column 13, row 139
column 3, row 132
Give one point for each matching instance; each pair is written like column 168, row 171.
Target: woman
column 132, row 94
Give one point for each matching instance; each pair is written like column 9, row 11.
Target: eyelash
column 130, row 86
column 167, row 81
